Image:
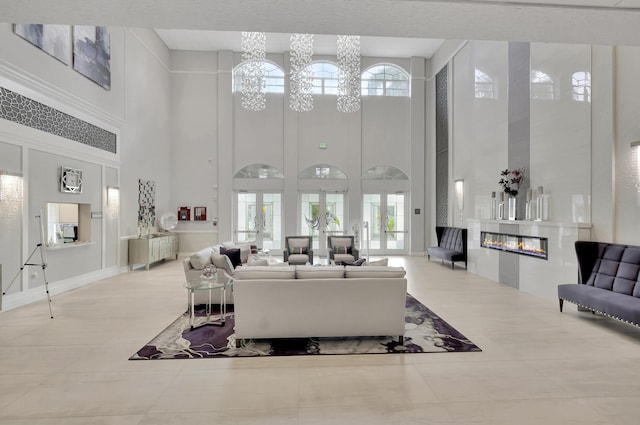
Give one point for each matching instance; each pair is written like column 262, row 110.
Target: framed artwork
column 52, row 39
column 92, row 54
column 70, row 180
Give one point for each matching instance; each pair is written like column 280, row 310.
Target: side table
column 210, row 286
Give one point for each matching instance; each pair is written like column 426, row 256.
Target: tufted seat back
column 613, row 267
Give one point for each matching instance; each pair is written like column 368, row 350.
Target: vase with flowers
column 510, row 180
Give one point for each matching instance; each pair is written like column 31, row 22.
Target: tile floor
column 538, row 366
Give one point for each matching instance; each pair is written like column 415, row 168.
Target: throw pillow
column 200, row 259
column 342, row 249
column 223, row 262
column 254, row 261
column 384, row 262
column 233, row 254
column 297, row 250
column 358, row 262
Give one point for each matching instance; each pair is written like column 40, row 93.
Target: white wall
column 226, row 138
column 136, row 109
column 627, row 197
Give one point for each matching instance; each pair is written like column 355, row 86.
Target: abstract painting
column 53, row 39
column 92, row 54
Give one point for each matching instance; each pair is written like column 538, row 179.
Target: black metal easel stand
column 42, row 265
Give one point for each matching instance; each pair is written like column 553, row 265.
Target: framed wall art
column 52, row 39
column 70, row 180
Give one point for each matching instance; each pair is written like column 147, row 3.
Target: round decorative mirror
column 168, row 221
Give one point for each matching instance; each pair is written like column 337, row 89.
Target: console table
column 149, row 249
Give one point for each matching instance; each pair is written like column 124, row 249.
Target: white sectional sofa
column 319, row 301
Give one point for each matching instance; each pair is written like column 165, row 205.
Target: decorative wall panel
column 442, row 149
column 146, row 204
column 22, row 110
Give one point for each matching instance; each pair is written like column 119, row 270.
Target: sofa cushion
column 342, row 258
column 200, row 259
column 234, row 255
column 374, row 272
column 298, row 258
column 264, row 272
column 223, row 262
column 319, row 272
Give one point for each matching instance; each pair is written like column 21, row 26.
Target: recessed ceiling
column 393, row 47
column 409, row 24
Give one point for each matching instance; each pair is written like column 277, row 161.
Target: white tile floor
column 538, row 366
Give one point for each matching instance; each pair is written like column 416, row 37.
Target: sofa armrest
column 355, row 252
column 186, row 263
column 285, row 255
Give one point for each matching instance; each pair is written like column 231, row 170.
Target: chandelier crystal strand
column 301, row 77
column 349, row 75
column 253, row 56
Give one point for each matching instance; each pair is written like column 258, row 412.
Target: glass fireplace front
column 532, row 246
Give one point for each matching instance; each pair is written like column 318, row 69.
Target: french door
column 322, row 214
column 386, row 217
column 259, row 219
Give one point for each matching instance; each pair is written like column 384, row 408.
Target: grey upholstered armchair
column 298, row 249
column 341, row 249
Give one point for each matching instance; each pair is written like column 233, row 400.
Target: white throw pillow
column 255, row 261
column 383, row 262
column 319, row 272
column 222, row 262
column 374, row 272
column 200, row 259
column 264, row 272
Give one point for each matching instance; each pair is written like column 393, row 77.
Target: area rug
column 425, row 332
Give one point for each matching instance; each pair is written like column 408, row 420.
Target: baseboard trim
column 20, row 299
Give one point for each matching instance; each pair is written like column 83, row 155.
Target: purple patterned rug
column 425, row 332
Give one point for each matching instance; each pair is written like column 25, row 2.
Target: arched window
column 322, row 171
column 385, row 80
column 325, row 78
column 259, row 171
column 273, row 78
column 485, row 88
column 581, row 82
column 384, row 172
column 542, row 87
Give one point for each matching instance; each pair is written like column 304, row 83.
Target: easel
column 43, row 264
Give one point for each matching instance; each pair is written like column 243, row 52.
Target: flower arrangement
column 510, row 180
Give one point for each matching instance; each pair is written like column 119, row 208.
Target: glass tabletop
column 206, row 284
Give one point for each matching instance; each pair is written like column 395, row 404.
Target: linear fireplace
column 532, row 246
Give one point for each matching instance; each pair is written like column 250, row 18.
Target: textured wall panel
column 22, row 110
column 442, row 148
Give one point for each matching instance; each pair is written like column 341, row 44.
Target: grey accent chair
column 341, row 249
column 298, row 250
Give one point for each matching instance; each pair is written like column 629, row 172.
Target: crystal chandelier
column 253, row 55
column 349, row 75
column 301, row 77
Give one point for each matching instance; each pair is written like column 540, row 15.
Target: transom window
column 485, row 88
column 325, row 78
column 385, row 80
column 542, row 87
column 273, row 78
column 581, row 82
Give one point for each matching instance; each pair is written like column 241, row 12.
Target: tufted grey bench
column 452, row 245
column 609, row 280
